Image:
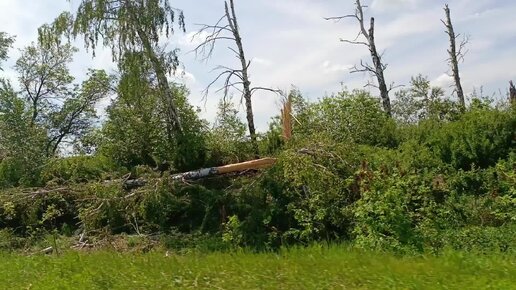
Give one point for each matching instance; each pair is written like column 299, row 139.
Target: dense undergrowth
column 349, row 174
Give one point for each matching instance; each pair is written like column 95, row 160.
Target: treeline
column 420, row 173
column 349, row 174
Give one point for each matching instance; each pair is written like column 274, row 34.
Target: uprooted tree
column 378, row 67
column 127, row 26
column 456, row 53
column 226, row 28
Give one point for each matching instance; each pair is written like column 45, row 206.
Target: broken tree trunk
column 379, row 69
column 512, row 93
column 237, row 167
column 130, row 184
column 286, row 118
column 455, row 53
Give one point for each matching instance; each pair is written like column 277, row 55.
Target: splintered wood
column 237, row 167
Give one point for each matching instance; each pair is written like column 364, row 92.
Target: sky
column 290, row 44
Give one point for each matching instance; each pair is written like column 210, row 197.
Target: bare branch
column 392, row 86
column 277, row 91
column 339, row 18
column 354, row 42
column 364, row 67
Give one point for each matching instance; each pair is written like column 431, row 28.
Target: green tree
column 348, row 117
column 77, row 116
column 21, row 145
column 45, row 77
column 422, row 101
column 65, row 110
column 227, row 140
column 136, row 130
column 127, row 26
column 5, row 43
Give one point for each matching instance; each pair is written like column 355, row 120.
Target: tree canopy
column 127, row 26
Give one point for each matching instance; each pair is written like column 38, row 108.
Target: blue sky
column 291, row 44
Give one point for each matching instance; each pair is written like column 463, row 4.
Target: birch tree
column 128, row 26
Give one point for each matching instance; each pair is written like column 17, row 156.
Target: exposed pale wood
column 253, row 164
column 286, row 118
column 130, row 184
column 206, row 172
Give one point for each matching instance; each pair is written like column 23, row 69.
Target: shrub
column 480, row 138
column 77, row 169
column 349, row 117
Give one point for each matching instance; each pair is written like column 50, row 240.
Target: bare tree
column 378, row 67
column 456, row 54
column 512, row 93
column 227, row 28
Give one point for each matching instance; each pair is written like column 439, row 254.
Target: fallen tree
column 237, row 167
column 130, row 184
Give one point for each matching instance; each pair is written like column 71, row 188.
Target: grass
column 310, row 268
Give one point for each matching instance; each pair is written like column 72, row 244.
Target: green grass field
column 312, row 268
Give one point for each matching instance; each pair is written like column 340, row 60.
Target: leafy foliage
column 227, row 139
column 136, row 132
column 348, row 117
column 433, row 176
column 5, row 43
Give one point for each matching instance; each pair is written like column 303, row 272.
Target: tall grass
column 316, row 267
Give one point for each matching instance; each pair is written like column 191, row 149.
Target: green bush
column 481, row 239
column 77, row 169
column 354, row 117
column 480, row 138
column 11, row 172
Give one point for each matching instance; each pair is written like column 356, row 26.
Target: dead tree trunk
column 512, row 93
column 238, row 79
column 455, row 54
column 130, row 184
column 378, row 67
column 246, row 83
column 237, row 167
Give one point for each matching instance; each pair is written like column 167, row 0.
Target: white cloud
column 330, row 68
column 443, row 81
column 184, row 77
column 192, row 39
column 262, row 61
